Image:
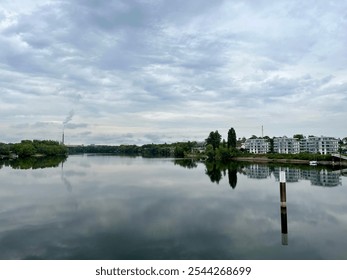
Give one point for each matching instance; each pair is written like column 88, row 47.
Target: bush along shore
column 32, row 148
column 225, row 155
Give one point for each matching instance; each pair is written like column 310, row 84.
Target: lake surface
column 110, row 207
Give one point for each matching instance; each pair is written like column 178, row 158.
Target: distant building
column 200, row 147
column 257, row 146
column 285, row 145
column 319, row 145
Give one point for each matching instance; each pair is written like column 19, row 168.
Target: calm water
column 108, row 207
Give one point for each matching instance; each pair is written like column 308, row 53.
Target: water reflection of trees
column 232, row 175
column 186, row 163
column 33, row 162
column 213, row 171
column 319, row 176
column 216, row 170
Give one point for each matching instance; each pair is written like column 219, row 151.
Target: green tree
column 4, row 149
column 214, row 139
column 223, row 154
column 231, row 138
column 209, row 151
column 271, row 141
column 24, row 149
column 298, row 136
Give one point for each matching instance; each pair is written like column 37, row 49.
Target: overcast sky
column 155, row 71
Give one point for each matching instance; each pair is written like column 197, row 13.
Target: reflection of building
column 319, row 145
column 342, row 172
column 326, row 179
column 285, row 145
column 257, row 171
column 257, row 146
column 322, row 177
column 292, row 174
column 306, row 174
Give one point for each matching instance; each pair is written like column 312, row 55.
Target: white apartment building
column 285, row 145
column 257, row 146
column 319, row 145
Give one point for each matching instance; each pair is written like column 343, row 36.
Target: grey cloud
column 76, row 125
column 107, row 15
column 117, row 61
column 85, row 133
column 44, row 124
column 20, row 125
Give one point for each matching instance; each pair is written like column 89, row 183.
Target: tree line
column 178, row 149
column 28, row 148
column 214, row 148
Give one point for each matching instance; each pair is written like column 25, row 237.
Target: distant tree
column 271, row 141
column 253, row 137
column 223, row 154
column 4, row 149
column 24, row 149
column 209, row 151
column 27, row 148
column 214, row 139
column 224, row 143
column 231, row 138
column 183, row 148
column 298, row 136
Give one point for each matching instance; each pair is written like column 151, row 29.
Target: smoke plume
column 68, row 118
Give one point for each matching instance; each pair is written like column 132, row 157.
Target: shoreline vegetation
column 32, row 149
column 213, row 150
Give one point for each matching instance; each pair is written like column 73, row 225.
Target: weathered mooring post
column 283, row 195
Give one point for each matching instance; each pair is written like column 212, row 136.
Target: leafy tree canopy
column 214, row 139
column 232, row 138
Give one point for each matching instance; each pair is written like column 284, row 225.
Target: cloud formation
column 171, row 70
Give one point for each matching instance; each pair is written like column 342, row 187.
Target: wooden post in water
column 284, row 223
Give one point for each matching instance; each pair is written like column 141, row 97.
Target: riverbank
column 293, row 161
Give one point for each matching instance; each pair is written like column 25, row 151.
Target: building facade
column 319, row 145
column 285, row 145
column 257, row 146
